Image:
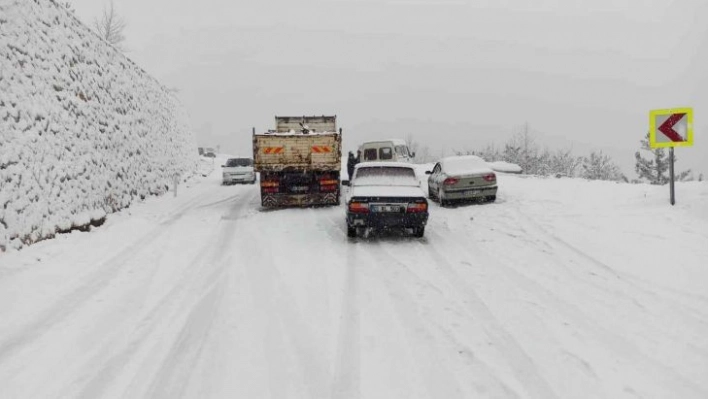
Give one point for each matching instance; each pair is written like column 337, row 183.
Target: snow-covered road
column 561, row 289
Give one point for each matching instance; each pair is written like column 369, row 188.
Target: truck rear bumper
column 284, row 200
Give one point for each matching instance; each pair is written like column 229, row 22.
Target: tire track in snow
column 439, row 381
column 346, row 382
column 450, row 385
column 518, row 360
column 173, row 377
column 346, row 379
column 286, row 328
column 93, row 284
column 607, row 339
column 623, row 277
column 171, row 304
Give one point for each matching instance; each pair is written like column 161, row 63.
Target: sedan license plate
column 386, row 208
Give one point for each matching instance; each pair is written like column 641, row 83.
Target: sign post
column 669, row 128
column 671, row 173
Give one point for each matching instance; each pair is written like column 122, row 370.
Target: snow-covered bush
column 83, row 130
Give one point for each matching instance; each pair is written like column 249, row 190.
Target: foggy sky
column 453, row 74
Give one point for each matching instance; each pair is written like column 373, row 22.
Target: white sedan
column 466, row 177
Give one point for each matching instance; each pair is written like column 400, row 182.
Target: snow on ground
column 83, row 130
column 563, row 288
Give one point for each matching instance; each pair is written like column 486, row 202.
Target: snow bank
column 85, row 131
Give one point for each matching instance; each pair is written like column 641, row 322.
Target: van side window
column 370, row 154
column 385, row 153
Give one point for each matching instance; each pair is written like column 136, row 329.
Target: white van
column 393, row 150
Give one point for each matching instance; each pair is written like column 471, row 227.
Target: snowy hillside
column 84, row 131
column 563, row 288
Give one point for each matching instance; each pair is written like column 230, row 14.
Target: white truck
column 299, row 161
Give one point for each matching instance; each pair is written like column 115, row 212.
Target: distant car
column 462, row 178
column 238, row 170
column 386, row 195
column 209, row 153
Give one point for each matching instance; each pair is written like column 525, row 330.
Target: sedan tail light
column 417, row 207
column 490, row 177
column 450, row 181
column 358, row 207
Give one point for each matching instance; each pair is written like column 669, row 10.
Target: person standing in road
column 350, row 164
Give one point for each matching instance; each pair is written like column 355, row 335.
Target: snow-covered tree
column 564, row 163
column 599, row 166
column 655, row 169
column 111, row 27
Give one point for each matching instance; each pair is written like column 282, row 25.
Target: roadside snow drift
column 84, row 130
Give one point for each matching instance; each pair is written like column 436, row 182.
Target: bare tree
column 111, row 27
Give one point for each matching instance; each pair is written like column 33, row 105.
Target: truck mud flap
column 301, row 200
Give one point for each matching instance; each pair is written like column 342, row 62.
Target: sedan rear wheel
column 419, row 231
column 441, row 198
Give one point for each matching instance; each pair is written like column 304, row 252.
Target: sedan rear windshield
column 239, row 162
column 385, row 176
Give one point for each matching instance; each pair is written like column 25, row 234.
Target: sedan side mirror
column 223, row 166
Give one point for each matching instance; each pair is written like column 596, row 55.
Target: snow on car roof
column 465, row 164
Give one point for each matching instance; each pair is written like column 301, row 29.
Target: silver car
column 238, row 170
column 462, row 178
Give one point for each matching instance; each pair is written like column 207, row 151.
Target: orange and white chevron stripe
column 321, row 149
column 273, row 150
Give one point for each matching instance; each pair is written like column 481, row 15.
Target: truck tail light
column 270, row 186
column 358, row 207
column 450, row 181
column 328, row 183
column 417, row 207
column 490, row 177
